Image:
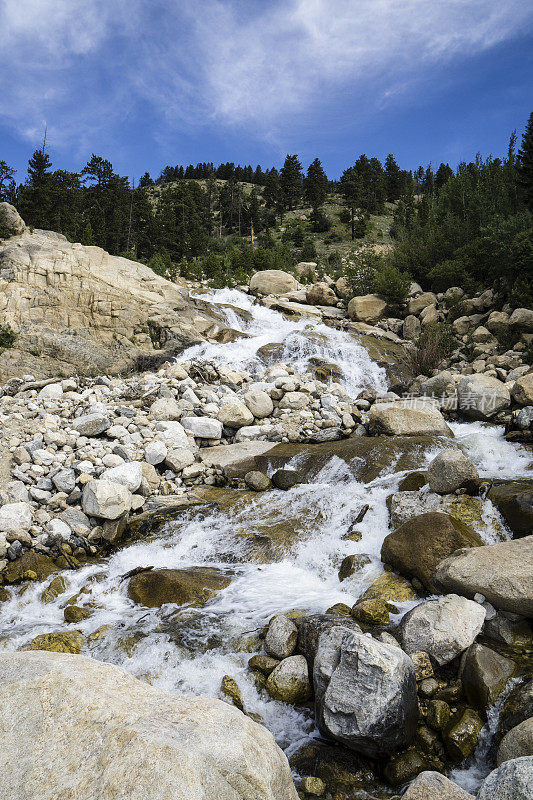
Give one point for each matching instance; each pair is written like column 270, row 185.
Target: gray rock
column 178, row 458
column 155, row 452
column 64, row 480
column 259, row 403
column 166, row 408
column 481, row 397
column 15, row 516
column 76, row 520
column 517, row 742
column 484, row 674
column 444, row 628
column 434, row 786
column 313, row 626
column 129, row 475
column 12, row 219
column 105, row 499
column 91, row 424
column 502, row 572
column 417, row 417
column 203, row 427
column 511, row 781
column 450, row 470
column 280, row 640
column 365, row 692
column 257, row 481
column 522, row 320
column 234, row 414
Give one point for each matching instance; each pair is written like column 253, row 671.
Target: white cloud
column 84, row 65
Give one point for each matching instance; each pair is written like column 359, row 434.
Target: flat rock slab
column 235, row 459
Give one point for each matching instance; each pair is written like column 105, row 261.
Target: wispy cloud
column 82, row 66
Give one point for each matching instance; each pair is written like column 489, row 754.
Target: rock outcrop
column 77, row 728
column 78, row 309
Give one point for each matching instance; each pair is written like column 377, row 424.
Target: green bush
column 308, row 252
column 320, row 222
column 362, row 269
column 7, row 337
column 435, row 343
column 162, row 265
column 392, row 284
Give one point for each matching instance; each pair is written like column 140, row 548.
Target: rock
column 272, row 281
column 56, row 587
column 434, row 786
column 462, row 734
column 286, row 478
column 91, row 424
column 313, row 786
column 289, row 681
column 522, row 320
column 306, row 270
column 438, row 714
column 234, row 414
column 517, row 708
column 404, row 766
column 11, row 219
column 417, row 304
column 280, row 640
column 58, row 642
column 203, row 427
column 451, row 470
column 502, row 572
column 512, row 780
column 320, row 294
column 57, row 527
column 514, row 501
column 342, row 287
column 367, row 308
column 235, row 460
column 229, row 688
column 352, row 564
column 518, row 742
column 52, row 391
column 155, row 453
column 365, row 692
column 481, row 397
column 195, row 585
column 30, row 566
column 105, row 499
column 411, row 328
column 259, row 403
column 129, row 475
column 166, row 408
column 522, row 390
column 294, row 401
column 75, row 614
column 257, row 481
column 178, row 458
column 64, row 480
column 264, row 664
column 15, row 516
column 484, row 674
column 440, row 385
column 498, row 322
column 391, row 587
column 408, row 418
column 418, row 546
column 172, row 434
column 137, row 742
column 311, row 628
column 371, row 612
column 443, row 627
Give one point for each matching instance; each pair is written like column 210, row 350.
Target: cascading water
column 282, row 550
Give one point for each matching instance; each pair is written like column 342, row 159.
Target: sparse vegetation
column 436, row 341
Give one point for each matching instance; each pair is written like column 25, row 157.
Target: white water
column 302, row 574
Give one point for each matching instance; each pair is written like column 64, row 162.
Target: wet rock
column 408, row 418
column 484, row 674
column 286, row 478
column 413, row 481
column 390, row 587
column 289, row 681
column 106, row 499
column 513, row 779
column 444, row 628
column 422, row 664
column 405, row 765
column 313, row 786
column 451, row 470
column 257, row 481
column 517, row 708
column 30, row 566
column 481, row 397
column 365, row 692
column 56, row 587
column 418, row 546
column 74, row 614
column 149, row 744
column 58, row 642
column 514, row 501
column 281, row 637
column 194, row 585
column 502, row 572
column 462, row 734
column 438, row 714
column 311, row 627
column 517, row 742
column 229, row 688
column 434, row 786
column 263, row 663
column 352, row 564
column 371, row 612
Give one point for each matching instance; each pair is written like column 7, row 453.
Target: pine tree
column 36, row 197
column 291, row 181
column 441, row 176
column 525, row 164
column 6, row 176
column 351, row 190
column 87, row 237
column 316, row 185
column 393, row 179
column 272, row 194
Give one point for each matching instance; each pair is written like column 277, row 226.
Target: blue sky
column 147, row 83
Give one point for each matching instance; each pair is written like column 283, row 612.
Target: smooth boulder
column 365, row 692
column 514, row 501
column 367, row 308
column 481, row 396
column 511, row 781
column 517, row 742
column 451, row 470
column 434, row 786
column 77, row 728
column 105, row 499
column 195, row 585
column 408, row 418
column 272, row 281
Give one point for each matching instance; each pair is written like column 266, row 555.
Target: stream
column 190, row 650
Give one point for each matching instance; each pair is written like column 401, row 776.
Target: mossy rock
column 352, row 564
column 340, row 610
column 406, row 765
column 263, row 663
column 390, row 587
column 58, row 642
column 438, row 714
column 99, row 633
column 75, row 614
column 288, row 685
column 462, row 734
column 229, row 688
column 56, row 587
column 413, row 481
column 195, row 585
column 371, row 612
column 4, row 595
column 30, row 566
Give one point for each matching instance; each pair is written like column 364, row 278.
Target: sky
column 147, row 83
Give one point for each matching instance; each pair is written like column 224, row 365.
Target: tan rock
column 367, row 308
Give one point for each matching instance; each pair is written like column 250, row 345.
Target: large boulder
column 484, row 674
column 517, row 742
column 320, row 294
column 129, row 475
column 502, row 572
column 272, row 281
column 76, row 728
column 408, row 418
column 420, row 302
column 235, row 459
column 481, row 397
column 311, row 628
column 77, row 309
column 417, row 547
column 365, row 692
column 514, row 501
column 522, row 391
column 444, row 627
column 511, row 781
column 105, row 499
column 451, row 470
column 10, row 221
column 196, row 585
column 234, row 414
column 434, row 786
column 367, row 308
column 522, row 320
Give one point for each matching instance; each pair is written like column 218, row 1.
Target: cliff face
column 79, row 309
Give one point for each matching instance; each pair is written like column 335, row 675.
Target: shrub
column 320, row 222
column 162, row 265
column 435, row 343
column 392, row 284
column 362, row 269
column 7, row 337
column 308, row 252
column 449, row 273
